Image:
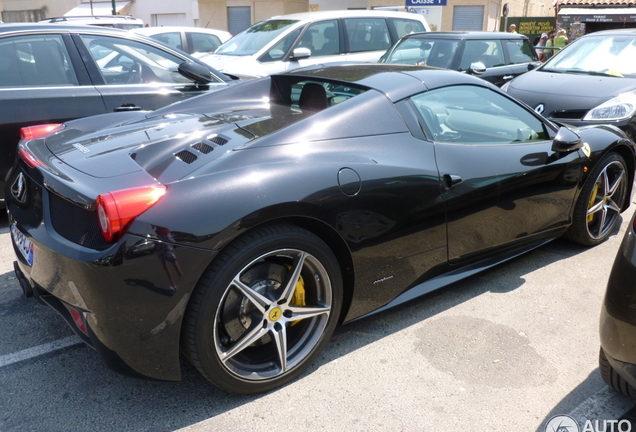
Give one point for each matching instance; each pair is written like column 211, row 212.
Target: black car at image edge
column 241, row 227
column 617, row 359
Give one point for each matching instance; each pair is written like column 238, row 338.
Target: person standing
column 541, row 43
column 512, row 28
column 549, row 44
column 561, row 39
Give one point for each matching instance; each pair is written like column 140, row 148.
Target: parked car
column 591, row 81
column 243, row 225
column 192, row 40
column 617, row 359
column 292, row 41
column 124, row 22
column 495, row 57
column 51, row 73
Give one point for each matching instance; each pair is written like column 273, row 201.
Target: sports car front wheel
column 264, row 309
column 598, row 208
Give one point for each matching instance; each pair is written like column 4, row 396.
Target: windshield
column 422, row 51
column 597, row 55
column 251, row 41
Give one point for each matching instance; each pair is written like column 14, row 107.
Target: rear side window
column 406, row 26
column 203, row 42
column 520, row 51
column 367, row 34
column 35, row 61
column 173, row 39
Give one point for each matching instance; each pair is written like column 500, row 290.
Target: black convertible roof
column 397, row 81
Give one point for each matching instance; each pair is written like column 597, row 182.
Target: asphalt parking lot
column 507, row 349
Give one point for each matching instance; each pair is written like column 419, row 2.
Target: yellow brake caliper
column 590, row 217
column 298, row 298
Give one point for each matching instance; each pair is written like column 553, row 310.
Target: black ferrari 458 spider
column 240, row 227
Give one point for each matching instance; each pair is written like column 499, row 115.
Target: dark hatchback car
column 591, row 81
column 51, row 73
column 240, row 227
column 617, row 359
column 495, row 57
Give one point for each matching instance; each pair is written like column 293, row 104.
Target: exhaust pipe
column 24, row 283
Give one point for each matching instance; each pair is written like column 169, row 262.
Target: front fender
column 603, row 139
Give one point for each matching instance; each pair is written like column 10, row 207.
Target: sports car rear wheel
column 598, row 208
column 264, row 309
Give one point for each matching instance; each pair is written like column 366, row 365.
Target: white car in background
column 291, row 41
column 193, row 40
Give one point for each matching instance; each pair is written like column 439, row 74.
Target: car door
column 322, row 38
column 504, row 185
column 42, row 80
column 491, row 54
column 134, row 75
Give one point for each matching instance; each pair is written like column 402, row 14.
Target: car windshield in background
column 604, row 55
column 424, row 52
column 254, row 38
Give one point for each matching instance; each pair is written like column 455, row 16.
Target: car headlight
column 505, row 86
column 621, row 107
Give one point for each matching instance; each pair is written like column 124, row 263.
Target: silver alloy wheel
column 606, row 200
column 264, row 326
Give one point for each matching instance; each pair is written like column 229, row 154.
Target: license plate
column 23, row 244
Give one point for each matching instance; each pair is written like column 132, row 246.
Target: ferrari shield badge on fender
column 19, row 189
column 586, row 149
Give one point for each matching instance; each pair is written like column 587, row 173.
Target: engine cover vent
column 186, row 156
column 203, row 147
column 218, row 140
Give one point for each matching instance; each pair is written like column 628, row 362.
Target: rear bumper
column 124, row 295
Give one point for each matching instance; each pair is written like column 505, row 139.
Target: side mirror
column 533, row 65
column 301, row 53
column 566, row 141
column 476, row 68
column 196, row 72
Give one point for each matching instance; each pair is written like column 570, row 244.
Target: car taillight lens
column 116, row 210
column 39, row 131
column 29, row 159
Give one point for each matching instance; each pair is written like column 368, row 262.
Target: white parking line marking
column 39, row 350
column 605, row 404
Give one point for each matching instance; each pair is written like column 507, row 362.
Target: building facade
column 236, row 15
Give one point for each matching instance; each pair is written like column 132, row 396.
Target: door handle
column 451, row 180
column 127, row 107
column 507, row 77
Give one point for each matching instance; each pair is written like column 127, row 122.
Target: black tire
column 612, row 378
column 598, row 208
column 247, row 328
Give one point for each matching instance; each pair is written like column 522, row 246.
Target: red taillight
column 116, row 210
column 28, row 158
column 78, row 319
column 39, row 131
